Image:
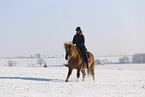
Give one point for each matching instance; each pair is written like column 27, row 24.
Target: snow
column 112, row 80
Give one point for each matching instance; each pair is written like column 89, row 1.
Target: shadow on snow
column 33, row 79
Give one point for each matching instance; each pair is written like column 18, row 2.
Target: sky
column 112, row 27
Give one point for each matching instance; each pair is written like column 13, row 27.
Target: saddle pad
column 89, row 59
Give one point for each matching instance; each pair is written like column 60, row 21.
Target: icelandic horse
column 75, row 61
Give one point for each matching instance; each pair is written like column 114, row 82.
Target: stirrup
column 65, row 65
column 88, row 67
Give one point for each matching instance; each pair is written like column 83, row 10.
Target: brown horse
column 75, row 61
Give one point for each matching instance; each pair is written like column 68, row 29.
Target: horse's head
column 69, row 50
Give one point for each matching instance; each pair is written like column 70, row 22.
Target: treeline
column 31, row 56
column 136, row 58
column 40, row 62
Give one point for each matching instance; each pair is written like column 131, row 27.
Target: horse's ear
column 65, row 45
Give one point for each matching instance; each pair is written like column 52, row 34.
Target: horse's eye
column 71, row 51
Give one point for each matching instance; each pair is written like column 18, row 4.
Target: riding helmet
column 78, row 29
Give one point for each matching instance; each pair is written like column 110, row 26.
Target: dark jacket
column 79, row 40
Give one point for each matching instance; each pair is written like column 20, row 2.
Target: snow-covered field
column 117, row 80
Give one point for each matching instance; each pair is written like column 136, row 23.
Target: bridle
column 68, row 52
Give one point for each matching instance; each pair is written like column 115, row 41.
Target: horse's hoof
column 66, row 80
column 83, row 80
column 77, row 80
column 66, row 65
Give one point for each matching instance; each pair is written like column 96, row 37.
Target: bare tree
column 40, row 61
column 12, row 63
column 138, row 58
column 97, row 61
column 37, row 55
column 124, row 59
column 104, row 61
column 31, row 56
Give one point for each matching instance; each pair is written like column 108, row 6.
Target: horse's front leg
column 68, row 76
column 78, row 74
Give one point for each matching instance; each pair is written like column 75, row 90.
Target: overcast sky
column 41, row 26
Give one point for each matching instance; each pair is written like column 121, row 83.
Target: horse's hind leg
column 84, row 75
column 68, row 76
column 93, row 73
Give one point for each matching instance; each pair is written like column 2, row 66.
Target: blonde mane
column 69, row 43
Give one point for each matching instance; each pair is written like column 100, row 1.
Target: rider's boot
column 88, row 66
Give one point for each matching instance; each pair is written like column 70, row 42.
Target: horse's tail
column 90, row 71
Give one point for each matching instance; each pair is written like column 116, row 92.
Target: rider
column 79, row 40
